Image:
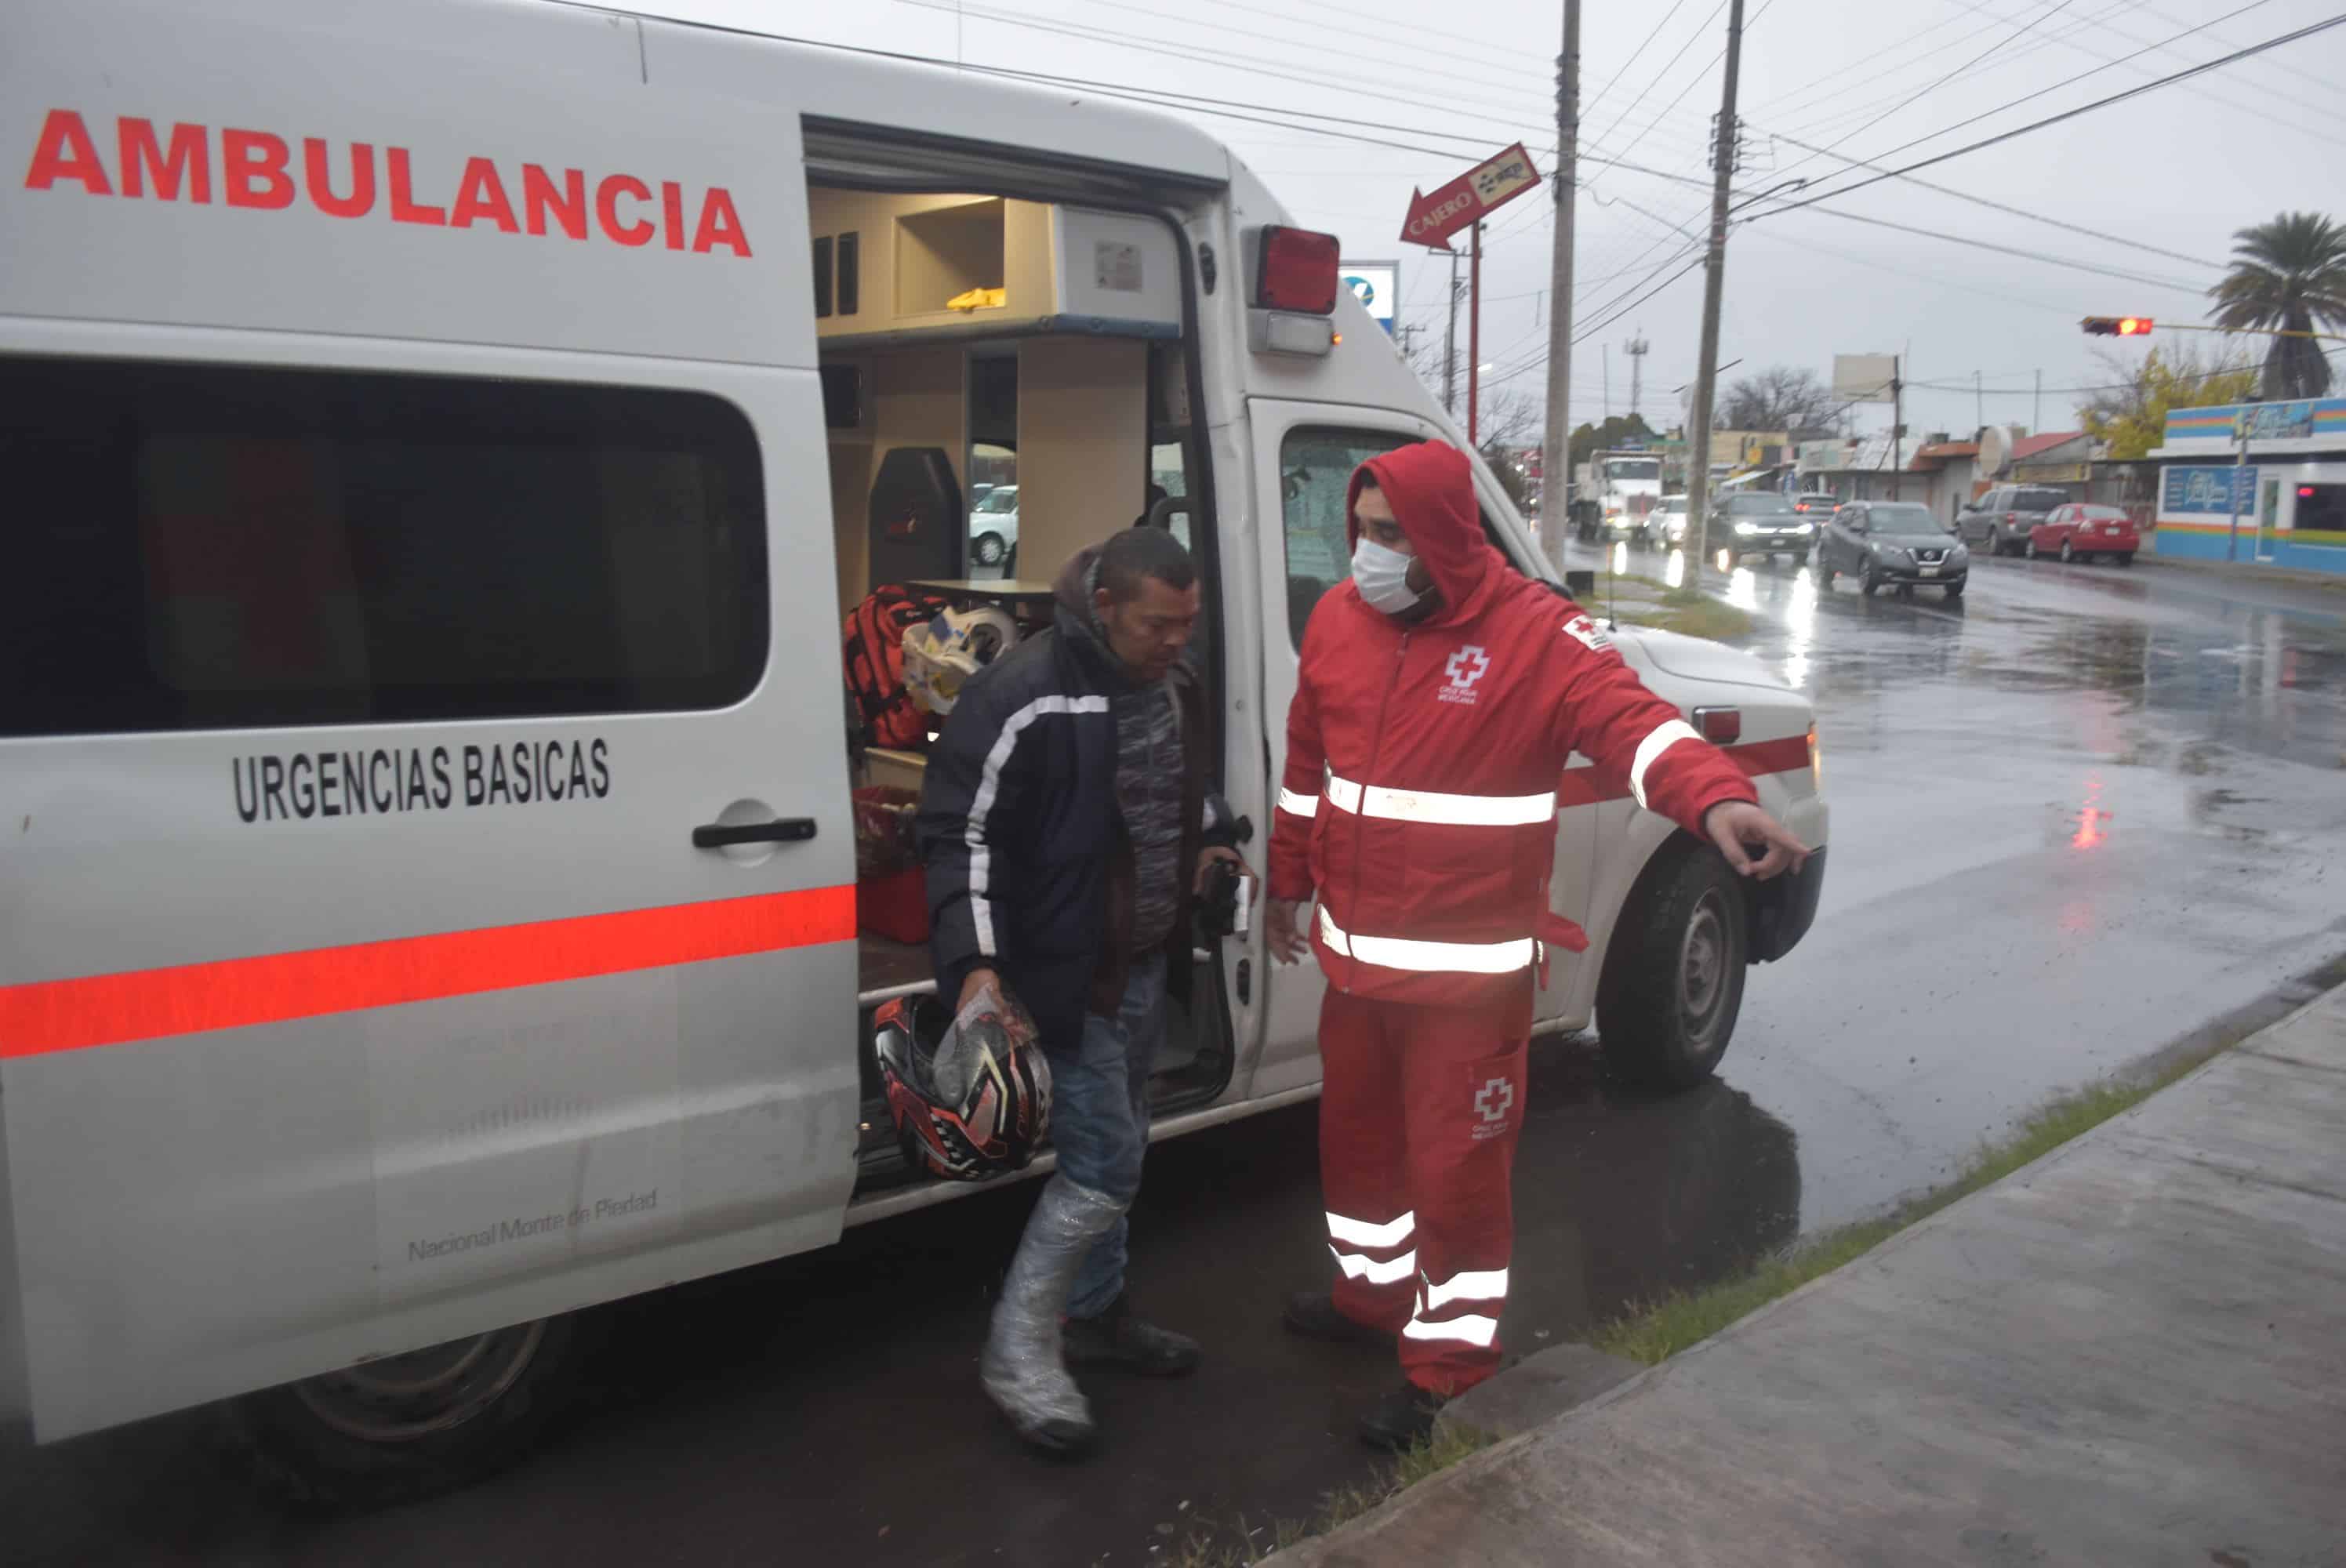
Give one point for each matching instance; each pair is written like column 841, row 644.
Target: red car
column 2077, row 532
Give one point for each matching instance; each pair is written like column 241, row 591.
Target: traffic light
column 2117, row 326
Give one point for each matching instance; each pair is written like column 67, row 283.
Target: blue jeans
column 1099, row 1119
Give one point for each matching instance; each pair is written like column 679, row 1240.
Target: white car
column 993, row 526
column 1669, row 520
column 431, row 903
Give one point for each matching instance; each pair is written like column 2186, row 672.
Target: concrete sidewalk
column 2131, row 1352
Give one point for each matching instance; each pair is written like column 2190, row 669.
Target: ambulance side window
column 1315, row 475
column 203, row 546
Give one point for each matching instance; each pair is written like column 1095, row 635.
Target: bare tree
column 1505, row 418
column 1782, row 397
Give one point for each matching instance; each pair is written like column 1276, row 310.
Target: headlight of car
column 1747, row 527
column 1805, row 529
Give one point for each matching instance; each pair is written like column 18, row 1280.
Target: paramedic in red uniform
column 1440, row 694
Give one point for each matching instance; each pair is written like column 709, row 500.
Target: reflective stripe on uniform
column 1363, row 1233
column 1374, row 1272
column 1488, row 1284
column 1476, row 1331
column 989, row 786
column 1449, row 811
column 1658, row 740
column 1429, row 957
column 1302, row 805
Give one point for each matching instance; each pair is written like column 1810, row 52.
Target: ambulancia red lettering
column 141, row 156
column 404, row 207
column 252, row 168
column 316, row 171
column 65, row 152
column 257, row 168
column 606, row 209
column 481, row 195
column 568, row 205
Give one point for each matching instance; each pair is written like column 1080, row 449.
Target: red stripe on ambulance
column 258, row 168
column 273, row 988
column 1595, row 786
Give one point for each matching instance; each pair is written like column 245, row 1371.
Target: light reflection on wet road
column 2076, row 814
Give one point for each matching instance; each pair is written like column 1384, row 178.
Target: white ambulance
column 440, row 443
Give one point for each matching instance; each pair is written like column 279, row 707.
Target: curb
column 1547, row 1390
column 1537, row 1389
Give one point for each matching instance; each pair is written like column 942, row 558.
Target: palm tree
column 2288, row 275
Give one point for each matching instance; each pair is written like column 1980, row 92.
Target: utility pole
column 1607, row 351
column 1714, row 280
column 1556, row 451
column 1450, row 343
column 1897, row 426
column 1474, row 340
column 1635, row 348
column 2240, row 469
column 1979, row 400
column 2037, row 424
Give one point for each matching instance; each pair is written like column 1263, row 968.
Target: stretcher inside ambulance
column 429, row 898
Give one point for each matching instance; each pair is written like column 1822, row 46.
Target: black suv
column 1767, row 525
column 2002, row 518
column 1892, row 544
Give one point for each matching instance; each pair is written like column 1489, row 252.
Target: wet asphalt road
column 2075, row 816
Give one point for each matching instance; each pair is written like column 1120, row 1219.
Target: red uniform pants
column 1418, row 1121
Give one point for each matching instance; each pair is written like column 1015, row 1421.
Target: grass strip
column 1237, row 1545
column 1653, row 1331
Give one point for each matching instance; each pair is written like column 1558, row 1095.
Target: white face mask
column 1383, row 576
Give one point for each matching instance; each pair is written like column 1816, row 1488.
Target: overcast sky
column 2177, row 170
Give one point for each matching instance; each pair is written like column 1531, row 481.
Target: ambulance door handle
column 785, row 831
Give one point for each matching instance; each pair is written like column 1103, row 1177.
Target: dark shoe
column 1059, row 1436
column 1117, row 1339
column 1402, row 1419
column 1314, row 1315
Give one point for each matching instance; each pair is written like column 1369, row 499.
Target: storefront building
column 2289, row 495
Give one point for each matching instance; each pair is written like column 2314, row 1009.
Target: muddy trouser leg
column 1021, row 1369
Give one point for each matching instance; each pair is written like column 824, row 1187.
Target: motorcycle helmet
column 971, row 1098
column 942, row 652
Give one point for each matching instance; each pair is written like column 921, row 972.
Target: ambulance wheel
column 409, row 1425
column 1673, row 979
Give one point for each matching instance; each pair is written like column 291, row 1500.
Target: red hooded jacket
column 1419, row 800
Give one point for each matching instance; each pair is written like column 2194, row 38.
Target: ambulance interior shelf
column 1029, row 604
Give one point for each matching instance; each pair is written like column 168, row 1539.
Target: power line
column 1909, row 272
column 2134, row 92
column 1372, row 86
column 1942, row 81
column 2195, row 289
column 1667, row 65
column 1821, row 124
column 2007, row 206
column 1830, row 84
column 1635, row 55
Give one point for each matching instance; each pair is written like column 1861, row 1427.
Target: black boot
column 1114, row 1338
column 1404, row 1419
column 1314, row 1315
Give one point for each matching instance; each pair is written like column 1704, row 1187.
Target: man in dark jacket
column 1066, row 827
